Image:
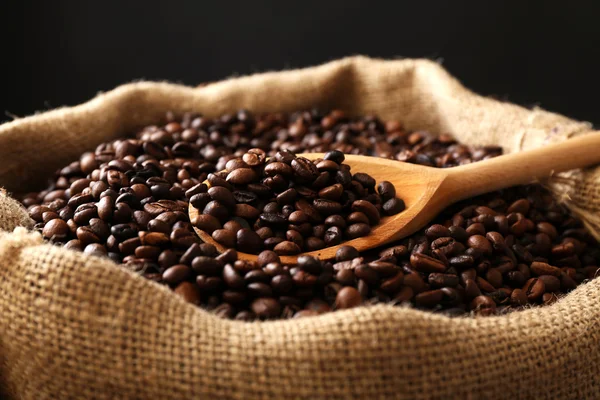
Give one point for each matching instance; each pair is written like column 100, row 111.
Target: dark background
column 529, row 52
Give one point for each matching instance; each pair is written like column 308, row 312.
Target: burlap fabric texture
column 80, row 327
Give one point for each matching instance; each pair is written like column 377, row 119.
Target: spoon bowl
column 426, row 191
column 411, row 187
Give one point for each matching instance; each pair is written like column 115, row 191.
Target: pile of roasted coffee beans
column 128, row 201
column 290, row 204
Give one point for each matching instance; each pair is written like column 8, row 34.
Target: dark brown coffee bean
column 224, row 237
column 497, row 240
column 476, row 229
column 346, row 253
column 313, row 243
column 494, row 277
column 328, row 165
column 429, row 298
column 357, row 218
column 74, row 245
column 357, row 230
column 518, row 298
column 365, row 180
column 479, row 242
column 333, row 192
column 154, row 238
column 287, row 248
column 246, row 211
column 336, row 220
column 437, row 280
column 200, row 200
column 551, row 283
column 280, row 168
column 386, row 190
column 259, row 289
column 534, row 289
column 327, row 207
column 305, row 169
column 368, row 209
column 232, row 278
column 287, row 196
column 190, row 292
column 266, row 308
column 548, row 229
column 207, row 223
column 248, row 241
column 295, row 237
column 348, row 297
column 273, row 219
column 462, row 262
column 520, row 206
column 204, row 265
column 541, row 268
column 222, row 196
column 424, row 263
column 176, row 274
column 217, row 210
column 282, row 284
column 241, row 176
column 368, row 274
column 437, row 231
column 56, row 230
column 393, row 206
column 471, row 289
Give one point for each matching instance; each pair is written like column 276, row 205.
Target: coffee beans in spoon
column 290, row 204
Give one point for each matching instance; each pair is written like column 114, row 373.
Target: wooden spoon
column 426, row 191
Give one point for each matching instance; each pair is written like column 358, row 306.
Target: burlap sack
column 73, row 326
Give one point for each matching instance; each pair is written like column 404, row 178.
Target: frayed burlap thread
column 12, row 213
column 75, row 327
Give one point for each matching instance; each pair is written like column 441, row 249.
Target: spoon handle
column 522, row 167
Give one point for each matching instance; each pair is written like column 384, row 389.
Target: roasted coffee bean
column 479, row 242
column 241, row 176
column 357, row 218
column 368, row 209
column 357, row 230
column 336, row 220
column 424, row 263
column 248, row 241
column 56, row 230
column 348, row 297
column 287, row 248
column 393, row 206
column 541, row 268
column 222, row 196
column 534, row 289
column 176, row 274
column 346, row 253
column 190, row 292
column 225, row 237
column 278, row 168
column 305, row 169
column 438, row 280
column 551, row 283
column 207, row 223
column 386, row 190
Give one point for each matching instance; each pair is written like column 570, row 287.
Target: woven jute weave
column 79, row 327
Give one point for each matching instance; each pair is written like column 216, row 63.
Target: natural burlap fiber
column 79, row 327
